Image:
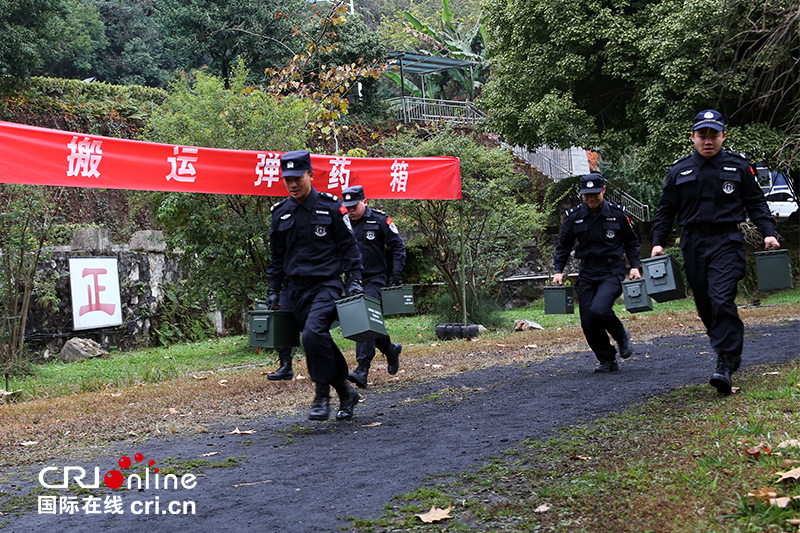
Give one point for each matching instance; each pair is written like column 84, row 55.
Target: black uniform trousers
column 365, row 351
column 714, row 266
column 315, row 310
column 599, row 285
column 285, row 352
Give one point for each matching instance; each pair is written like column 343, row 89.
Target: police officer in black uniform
column 375, row 232
column 710, row 192
column 604, row 237
column 312, row 244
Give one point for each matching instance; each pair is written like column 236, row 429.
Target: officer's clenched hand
column 354, row 287
column 396, row 280
column 273, row 299
column 771, row 243
column 634, row 274
column 657, row 250
column 558, row 279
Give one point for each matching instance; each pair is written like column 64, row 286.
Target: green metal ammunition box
column 397, row 300
column 558, row 300
column 663, row 278
column 361, row 318
column 635, row 293
column 272, row 329
column 774, row 269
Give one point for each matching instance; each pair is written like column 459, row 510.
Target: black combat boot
column 321, row 410
column 606, row 367
column 284, row 372
column 348, row 398
column 626, row 346
column 359, row 375
column 721, row 379
column 393, row 357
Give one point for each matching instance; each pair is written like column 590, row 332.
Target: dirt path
column 295, row 476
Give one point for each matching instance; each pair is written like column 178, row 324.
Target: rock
column 77, row 349
column 96, row 240
column 148, row 241
column 525, row 325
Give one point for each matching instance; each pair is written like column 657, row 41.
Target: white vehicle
column 781, row 203
column 778, row 192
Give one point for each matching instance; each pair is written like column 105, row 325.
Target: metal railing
column 557, row 164
column 634, row 207
column 414, row 109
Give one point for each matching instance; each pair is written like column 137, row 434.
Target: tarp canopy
column 423, row 64
column 41, row 156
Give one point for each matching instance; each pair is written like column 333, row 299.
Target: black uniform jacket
column 314, row 238
column 608, row 233
column 705, row 193
column 375, row 231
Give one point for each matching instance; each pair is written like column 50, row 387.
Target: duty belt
column 599, row 261
column 306, row 281
column 707, row 230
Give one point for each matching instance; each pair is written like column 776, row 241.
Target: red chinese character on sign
column 95, row 305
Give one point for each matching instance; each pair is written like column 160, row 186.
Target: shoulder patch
column 331, row 196
column 276, row 204
column 379, row 212
column 680, row 159
column 737, row 154
column 618, row 206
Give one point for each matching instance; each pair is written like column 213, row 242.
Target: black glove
column 273, row 299
column 396, row 280
column 354, row 286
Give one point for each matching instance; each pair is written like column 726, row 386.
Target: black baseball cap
column 591, row 183
column 708, row 119
column 295, row 163
column 352, row 195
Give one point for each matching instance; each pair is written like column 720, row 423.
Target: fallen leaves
column 435, row 515
column 542, row 509
column 756, row 451
column 791, row 474
column 238, row 431
column 771, row 497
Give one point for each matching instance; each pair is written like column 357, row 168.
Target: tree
column 493, row 217
column 308, row 76
column 27, row 29
column 224, row 238
column 624, row 75
column 216, row 33
column 26, row 216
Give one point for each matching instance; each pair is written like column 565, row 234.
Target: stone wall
column 145, row 269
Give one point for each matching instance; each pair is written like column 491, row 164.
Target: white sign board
column 95, row 292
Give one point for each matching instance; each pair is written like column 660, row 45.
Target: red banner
column 40, row 156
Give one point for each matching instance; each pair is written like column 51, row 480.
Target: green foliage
column 492, row 216
column 561, row 195
column 227, row 31
column 26, row 215
column 182, row 317
column 27, row 31
column 92, row 104
column 629, row 76
column 224, row 238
